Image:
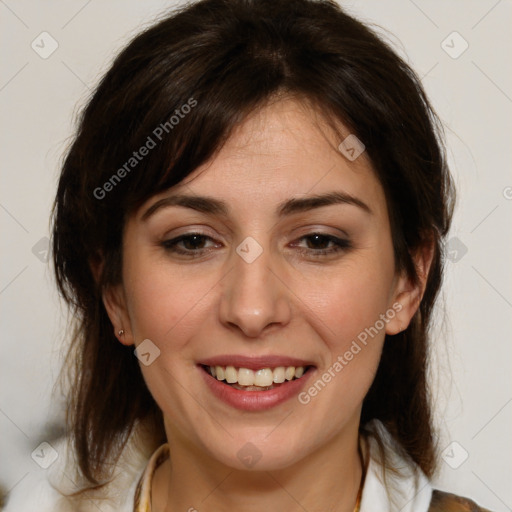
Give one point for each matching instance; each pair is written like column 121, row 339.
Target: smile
column 263, row 379
column 255, row 384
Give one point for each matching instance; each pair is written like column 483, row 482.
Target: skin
column 294, row 299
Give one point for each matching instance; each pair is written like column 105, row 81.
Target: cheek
column 349, row 302
column 164, row 305
column 346, row 313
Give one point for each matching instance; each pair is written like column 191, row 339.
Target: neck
column 327, row 479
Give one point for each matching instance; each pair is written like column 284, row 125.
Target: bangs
column 180, row 105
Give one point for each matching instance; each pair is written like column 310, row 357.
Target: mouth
column 255, row 383
column 262, row 379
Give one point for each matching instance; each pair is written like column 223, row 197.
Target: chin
column 248, row 454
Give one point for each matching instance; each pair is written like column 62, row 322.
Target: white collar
column 407, row 490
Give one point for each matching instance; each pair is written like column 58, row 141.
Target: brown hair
column 227, row 58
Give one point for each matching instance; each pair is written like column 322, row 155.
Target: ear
column 408, row 294
column 114, row 300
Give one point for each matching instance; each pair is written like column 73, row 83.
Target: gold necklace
column 143, row 491
column 363, row 476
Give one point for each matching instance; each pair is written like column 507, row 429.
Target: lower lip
column 255, row 400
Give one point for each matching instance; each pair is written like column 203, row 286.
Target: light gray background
column 473, row 95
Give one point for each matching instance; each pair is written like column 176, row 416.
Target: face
column 275, row 254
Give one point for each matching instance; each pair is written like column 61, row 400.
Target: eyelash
column 339, row 244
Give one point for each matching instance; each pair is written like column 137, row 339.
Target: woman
column 248, row 228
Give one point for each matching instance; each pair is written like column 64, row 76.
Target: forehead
column 285, row 149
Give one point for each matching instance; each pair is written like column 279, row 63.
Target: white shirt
column 408, row 492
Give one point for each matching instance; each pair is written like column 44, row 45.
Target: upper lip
column 255, row 362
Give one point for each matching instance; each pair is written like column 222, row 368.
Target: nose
column 254, row 298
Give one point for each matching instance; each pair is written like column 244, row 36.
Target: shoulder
column 52, row 490
column 446, row 502
column 394, row 482
column 33, row 493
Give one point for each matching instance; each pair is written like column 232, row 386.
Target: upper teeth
column 264, row 377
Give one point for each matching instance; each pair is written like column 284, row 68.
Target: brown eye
column 190, row 244
column 193, row 242
column 318, row 241
column 319, row 244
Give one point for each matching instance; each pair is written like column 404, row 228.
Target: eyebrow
column 214, row 206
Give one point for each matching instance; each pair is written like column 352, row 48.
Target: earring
column 120, row 332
